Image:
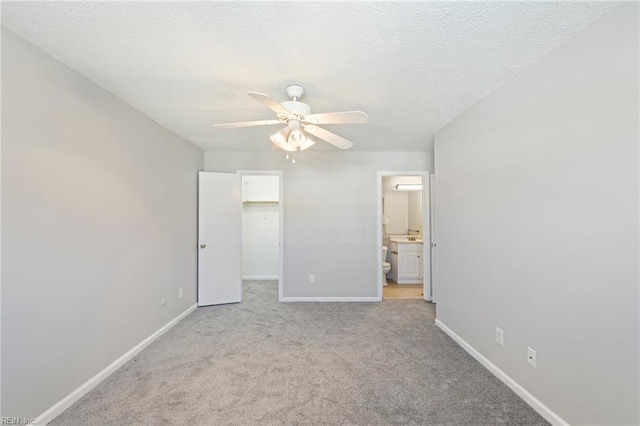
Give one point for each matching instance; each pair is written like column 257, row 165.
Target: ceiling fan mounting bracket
column 295, row 91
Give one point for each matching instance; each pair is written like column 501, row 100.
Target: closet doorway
column 262, row 224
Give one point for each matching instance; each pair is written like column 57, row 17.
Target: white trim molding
column 534, row 402
column 329, row 299
column 81, row 391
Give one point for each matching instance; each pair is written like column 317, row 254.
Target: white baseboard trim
column 330, row 299
column 534, row 402
column 81, row 391
column 261, row 278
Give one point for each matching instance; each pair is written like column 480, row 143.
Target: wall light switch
column 312, row 279
column 499, row 336
column 180, row 293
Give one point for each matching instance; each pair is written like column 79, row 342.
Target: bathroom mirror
column 402, row 210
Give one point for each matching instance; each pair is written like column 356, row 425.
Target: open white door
column 219, row 238
column 432, row 234
column 427, row 289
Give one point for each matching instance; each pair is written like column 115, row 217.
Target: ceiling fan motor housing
column 298, row 109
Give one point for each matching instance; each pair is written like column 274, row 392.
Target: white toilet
column 386, row 266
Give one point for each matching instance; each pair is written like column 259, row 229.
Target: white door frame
column 426, row 237
column 280, row 174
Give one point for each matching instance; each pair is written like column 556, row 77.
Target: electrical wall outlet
column 499, row 336
column 180, row 293
column 531, row 357
column 312, row 279
column 163, row 301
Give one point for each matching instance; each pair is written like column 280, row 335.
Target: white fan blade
column 345, row 117
column 328, row 136
column 247, row 124
column 269, row 103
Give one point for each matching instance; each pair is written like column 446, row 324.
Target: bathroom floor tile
column 402, row 291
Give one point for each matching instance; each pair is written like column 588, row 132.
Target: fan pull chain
column 293, row 157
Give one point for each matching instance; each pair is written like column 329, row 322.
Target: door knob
column 203, row 245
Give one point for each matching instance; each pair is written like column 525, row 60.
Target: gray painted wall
column 99, row 223
column 537, row 224
column 329, row 214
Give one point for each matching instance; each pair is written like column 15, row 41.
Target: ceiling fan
column 300, row 123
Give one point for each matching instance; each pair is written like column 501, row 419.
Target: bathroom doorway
column 403, row 230
column 262, row 224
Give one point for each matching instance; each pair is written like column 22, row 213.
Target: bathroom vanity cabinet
column 406, row 262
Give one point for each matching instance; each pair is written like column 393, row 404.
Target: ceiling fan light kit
column 281, row 138
column 300, row 122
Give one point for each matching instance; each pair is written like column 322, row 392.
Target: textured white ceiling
column 412, row 66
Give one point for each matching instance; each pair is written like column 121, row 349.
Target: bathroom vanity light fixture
column 409, row 186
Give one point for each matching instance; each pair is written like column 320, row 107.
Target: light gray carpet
column 267, row 363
